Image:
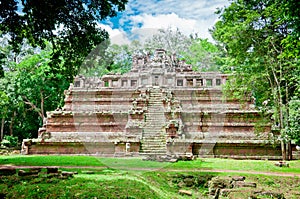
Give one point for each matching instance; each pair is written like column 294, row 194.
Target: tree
column 30, row 92
column 293, row 130
column 173, row 41
column 261, row 40
column 103, row 60
column 36, row 87
column 10, row 103
column 202, row 55
column 70, row 26
column 113, row 58
column 4, row 104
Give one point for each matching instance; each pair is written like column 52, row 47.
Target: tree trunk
column 2, row 128
column 12, row 124
column 290, row 152
column 42, row 106
column 283, row 150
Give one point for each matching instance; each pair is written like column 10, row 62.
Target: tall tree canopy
column 42, row 46
column 113, row 58
column 261, row 39
column 70, row 25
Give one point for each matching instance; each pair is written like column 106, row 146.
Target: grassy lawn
column 125, row 178
column 243, row 165
column 138, row 163
column 129, row 184
column 50, row 160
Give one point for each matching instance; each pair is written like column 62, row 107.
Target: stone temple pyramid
column 160, row 107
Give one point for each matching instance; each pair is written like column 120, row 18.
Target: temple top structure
column 157, row 70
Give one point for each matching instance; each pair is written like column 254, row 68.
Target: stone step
column 155, row 136
column 157, row 142
column 158, row 114
column 154, row 144
column 152, row 154
column 154, row 147
column 152, row 151
column 157, row 122
column 161, row 143
column 155, row 93
column 154, row 124
column 153, row 139
column 150, row 134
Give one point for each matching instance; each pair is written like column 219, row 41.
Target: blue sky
column 146, row 16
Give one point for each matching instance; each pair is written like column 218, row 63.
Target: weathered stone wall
column 160, row 106
column 247, row 150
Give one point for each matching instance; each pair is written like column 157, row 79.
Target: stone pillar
column 127, row 147
column 184, row 82
column 223, row 80
column 194, row 82
column 213, row 83
column 204, row 82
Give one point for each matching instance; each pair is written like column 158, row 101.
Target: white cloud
column 189, row 16
column 189, row 9
column 116, row 36
column 186, row 26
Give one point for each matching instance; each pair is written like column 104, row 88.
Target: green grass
column 139, row 164
column 129, row 184
column 81, row 186
column 242, row 165
column 135, row 178
column 132, row 163
column 50, row 160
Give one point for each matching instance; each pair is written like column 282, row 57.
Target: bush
column 9, row 141
column 293, row 130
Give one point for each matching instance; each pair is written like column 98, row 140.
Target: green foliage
column 4, row 103
column 81, row 186
column 293, row 129
column 70, row 26
column 111, row 183
column 31, row 89
column 9, row 141
column 173, row 41
column 109, row 59
column 261, row 42
column 51, row 160
column 202, row 55
column 113, row 58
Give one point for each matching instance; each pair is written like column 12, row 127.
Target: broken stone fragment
column 185, row 192
column 237, row 184
column 67, row 173
column 226, row 192
column 282, row 164
column 27, row 173
column 238, row 178
column 218, row 183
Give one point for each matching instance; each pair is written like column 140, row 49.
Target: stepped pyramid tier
column 161, row 107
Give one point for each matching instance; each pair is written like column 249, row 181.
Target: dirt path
column 161, row 170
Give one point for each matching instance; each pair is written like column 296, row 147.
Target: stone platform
column 160, row 107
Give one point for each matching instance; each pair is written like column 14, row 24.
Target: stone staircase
column 154, row 138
